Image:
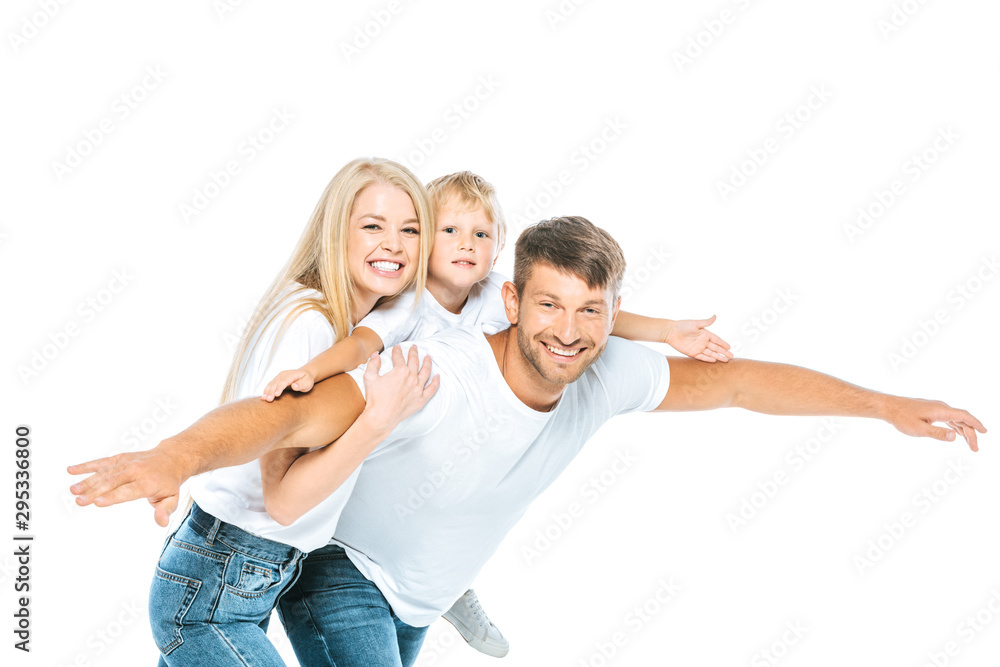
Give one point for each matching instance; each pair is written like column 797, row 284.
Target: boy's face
column 465, row 246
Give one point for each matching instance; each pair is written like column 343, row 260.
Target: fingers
column 425, row 371
column 89, row 466
column 374, row 366
column 716, row 342
column 163, row 509
column 397, row 357
column 431, row 388
column 968, row 432
column 705, row 323
column 705, row 357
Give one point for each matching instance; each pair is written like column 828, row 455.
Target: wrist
column 376, row 424
column 667, row 329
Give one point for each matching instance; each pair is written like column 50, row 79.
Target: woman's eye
column 371, row 226
column 414, row 231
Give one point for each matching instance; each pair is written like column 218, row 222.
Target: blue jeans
column 213, row 592
column 335, row 617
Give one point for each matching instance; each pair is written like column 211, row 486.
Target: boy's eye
column 482, row 235
column 449, row 230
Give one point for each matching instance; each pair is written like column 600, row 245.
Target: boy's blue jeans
column 213, row 592
column 335, row 617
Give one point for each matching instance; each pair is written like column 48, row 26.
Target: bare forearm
column 638, row 327
column 776, row 389
column 345, row 355
column 242, row 431
column 314, row 476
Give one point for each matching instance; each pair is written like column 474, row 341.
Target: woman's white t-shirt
column 235, row 494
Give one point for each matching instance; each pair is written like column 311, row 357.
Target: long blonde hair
column 319, row 261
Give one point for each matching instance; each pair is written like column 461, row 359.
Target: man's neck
column 530, row 388
column 451, row 298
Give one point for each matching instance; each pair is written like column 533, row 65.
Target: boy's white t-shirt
column 435, row 499
column 234, row 494
column 398, row 320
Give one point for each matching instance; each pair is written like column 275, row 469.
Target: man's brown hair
column 574, row 245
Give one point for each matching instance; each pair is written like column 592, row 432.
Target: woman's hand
column 298, row 380
column 401, row 392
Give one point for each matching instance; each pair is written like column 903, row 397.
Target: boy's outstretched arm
column 690, row 337
column 232, row 434
column 782, row 389
column 343, row 356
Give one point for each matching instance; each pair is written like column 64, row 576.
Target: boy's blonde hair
column 471, row 190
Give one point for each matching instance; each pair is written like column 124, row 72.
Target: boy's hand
column 299, row 380
column 403, row 391
column 693, row 339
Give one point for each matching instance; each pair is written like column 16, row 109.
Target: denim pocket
column 170, row 598
column 252, row 589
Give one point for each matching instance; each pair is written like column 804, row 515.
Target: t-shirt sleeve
column 394, row 320
column 635, row 377
column 306, row 336
column 492, row 317
column 425, row 420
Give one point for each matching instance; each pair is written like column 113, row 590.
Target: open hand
column 401, row 392
column 916, row 417
column 693, row 339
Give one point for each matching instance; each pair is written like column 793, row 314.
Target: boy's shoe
column 475, row 626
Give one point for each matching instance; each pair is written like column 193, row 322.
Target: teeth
column 386, row 266
column 563, row 353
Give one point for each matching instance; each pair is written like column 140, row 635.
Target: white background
column 166, row 335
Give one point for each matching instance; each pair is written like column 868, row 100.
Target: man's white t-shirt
column 435, row 499
column 398, row 320
column 234, row 494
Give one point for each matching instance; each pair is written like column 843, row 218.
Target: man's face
column 562, row 324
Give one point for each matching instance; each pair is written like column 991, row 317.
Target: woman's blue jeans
column 214, row 590
column 335, row 617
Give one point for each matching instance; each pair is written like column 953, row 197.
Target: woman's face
column 383, row 243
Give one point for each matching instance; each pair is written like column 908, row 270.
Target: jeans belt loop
column 210, row 538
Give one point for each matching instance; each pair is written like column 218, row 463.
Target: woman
column 221, row 573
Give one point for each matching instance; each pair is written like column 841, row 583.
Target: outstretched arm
column 781, row 389
column 231, row 434
column 690, row 337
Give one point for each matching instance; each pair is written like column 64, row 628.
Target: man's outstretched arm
column 781, row 389
column 232, row 434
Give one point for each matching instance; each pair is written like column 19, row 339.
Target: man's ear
column 510, row 301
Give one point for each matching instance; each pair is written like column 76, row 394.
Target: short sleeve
column 635, row 377
column 492, row 316
column 394, row 320
column 304, row 337
column 429, row 417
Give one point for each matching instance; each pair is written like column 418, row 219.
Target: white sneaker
column 475, row 626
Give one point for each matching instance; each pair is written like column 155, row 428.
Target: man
column 436, row 498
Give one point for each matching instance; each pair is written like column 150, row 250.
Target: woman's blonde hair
column 319, row 261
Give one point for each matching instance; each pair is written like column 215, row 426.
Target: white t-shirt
column 398, row 320
column 235, row 494
column 435, row 499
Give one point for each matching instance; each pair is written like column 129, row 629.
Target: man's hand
column 150, row 474
column 401, row 392
column 916, row 417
